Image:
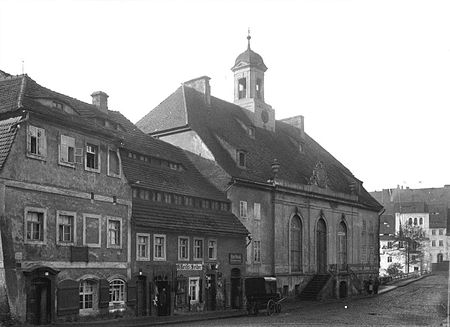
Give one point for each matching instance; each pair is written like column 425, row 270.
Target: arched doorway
column 235, row 288
column 342, row 245
column 440, row 257
column 321, row 246
column 342, row 289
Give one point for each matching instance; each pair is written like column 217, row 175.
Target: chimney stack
column 100, row 100
column 201, row 84
column 297, row 122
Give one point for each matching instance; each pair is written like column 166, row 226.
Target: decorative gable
column 319, row 176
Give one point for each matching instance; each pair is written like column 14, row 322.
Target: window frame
column 180, row 258
column 74, row 227
column 96, row 144
column 30, row 154
column 238, row 158
column 83, row 294
column 109, row 172
column 256, row 247
column 121, row 290
column 197, row 289
column 195, row 258
column 148, row 243
column 62, row 161
column 243, row 209
column 257, row 212
column 108, row 239
column 214, row 258
column 44, row 225
column 99, row 218
column 441, row 243
column 164, row 247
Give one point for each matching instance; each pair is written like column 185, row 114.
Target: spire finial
column 248, row 38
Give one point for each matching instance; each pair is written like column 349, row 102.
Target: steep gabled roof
column 8, row 129
column 219, row 125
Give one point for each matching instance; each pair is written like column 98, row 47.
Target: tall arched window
column 421, row 221
column 296, row 244
column 410, row 221
column 415, row 221
column 88, row 295
column 117, row 291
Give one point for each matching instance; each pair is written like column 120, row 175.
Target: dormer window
column 58, row 105
column 251, row 132
column 301, row 147
column 241, row 158
column 242, row 88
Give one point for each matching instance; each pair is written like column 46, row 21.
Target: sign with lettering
column 189, row 266
column 235, row 258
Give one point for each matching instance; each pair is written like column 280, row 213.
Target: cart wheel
column 278, row 308
column 270, row 307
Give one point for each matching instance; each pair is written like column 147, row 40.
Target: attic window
column 242, row 88
column 251, row 132
column 241, row 158
column 301, row 147
column 58, row 105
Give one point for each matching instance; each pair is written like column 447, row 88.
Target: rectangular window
column 441, row 232
column 256, row 251
column 114, row 232
column 433, row 243
column 242, row 88
column 389, row 245
column 67, row 150
column 212, row 250
column 389, row 259
column 194, row 288
column 159, row 247
column 257, row 211
column 36, row 142
column 240, row 158
column 198, row 249
column 35, row 224
column 243, row 209
column 142, row 246
column 92, row 157
column 92, row 230
column 183, row 248
column 441, row 243
column 113, row 163
column 86, row 295
column 66, row 227
column 433, row 232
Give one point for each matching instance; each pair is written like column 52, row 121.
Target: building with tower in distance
column 427, row 208
column 312, row 223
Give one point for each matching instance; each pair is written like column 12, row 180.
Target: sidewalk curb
column 407, row 282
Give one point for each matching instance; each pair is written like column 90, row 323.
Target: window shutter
column 200, row 290
column 68, row 297
column 79, row 156
column 131, row 292
column 103, row 299
column 63, row 151
column 42, row 143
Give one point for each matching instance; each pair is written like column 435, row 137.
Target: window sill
column 35, row 242
column 35, row 156
column 89, row 245
column 142, row 259
column 198, row 259
column 159, row 259
column 114, row 175
column 183, row 259
column 65, row 243
column 110, row 246
column 92, row 170
column 66, row 164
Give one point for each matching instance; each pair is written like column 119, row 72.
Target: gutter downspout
column 378, row 237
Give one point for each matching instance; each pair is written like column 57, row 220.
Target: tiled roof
column 160, row 216
column 10, row 89
column 220, row 127
column 387, row 224
column 8, row 129
column 438, row 216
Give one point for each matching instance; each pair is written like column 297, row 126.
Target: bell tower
column 249, row 69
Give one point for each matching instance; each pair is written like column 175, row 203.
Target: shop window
column 36, row 142
column 257, row 211
column 212, row 249
column 92, row 157
column 257, row 251
column 114, row 232
column 183, row 248
column 117, row 292
column 113, row 163
column 198, row 249
column 91, row 230
column 159, row 247
column 142, row 246
column 194, row 289
column 66, row 228
column 35, row 223
column 243, row 209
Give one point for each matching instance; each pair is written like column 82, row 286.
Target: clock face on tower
column 265, row 116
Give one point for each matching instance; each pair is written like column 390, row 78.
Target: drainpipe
column 380, row 213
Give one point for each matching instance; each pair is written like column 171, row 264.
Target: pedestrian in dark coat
column 376, row 284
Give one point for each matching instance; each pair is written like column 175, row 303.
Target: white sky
column 372, row 78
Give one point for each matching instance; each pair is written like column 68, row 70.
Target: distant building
column 426, row 208
column 309, row 217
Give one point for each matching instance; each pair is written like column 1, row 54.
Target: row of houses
column 100, row 215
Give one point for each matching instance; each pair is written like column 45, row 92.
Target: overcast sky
column 372, row 78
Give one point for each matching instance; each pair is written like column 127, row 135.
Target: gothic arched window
column 296, row 244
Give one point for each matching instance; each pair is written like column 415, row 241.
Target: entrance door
column 163, row 298
column 211, row 302
column 235, row 288
column 440, row 257
column 342, row 249
column 141, row 297
column 321, row 246
column 39, row 302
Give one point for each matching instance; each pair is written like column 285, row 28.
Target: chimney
column 297, row 122
column 201, row 84
column 100, row 100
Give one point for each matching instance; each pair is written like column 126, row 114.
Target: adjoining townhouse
column 188, row 249
column 65, row 205
column 309, row 217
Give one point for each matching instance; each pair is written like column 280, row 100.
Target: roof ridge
column 22, row 91
column 184, row 103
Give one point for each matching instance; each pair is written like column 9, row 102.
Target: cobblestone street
column 421, row 303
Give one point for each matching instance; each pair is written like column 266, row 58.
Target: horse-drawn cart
column 261, row 293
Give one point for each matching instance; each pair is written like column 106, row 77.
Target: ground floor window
column 194, row 289
column 117, row 291
column 87, row 294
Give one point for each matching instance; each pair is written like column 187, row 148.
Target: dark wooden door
column 321, row 246
column 39, row 302
column 163, row 298
column 211, row 297
column 141, row 298
column 235, row 288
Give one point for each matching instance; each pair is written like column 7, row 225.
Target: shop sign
column 189, row 266
column 235, row 258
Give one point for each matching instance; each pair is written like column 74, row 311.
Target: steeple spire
column 248, row 38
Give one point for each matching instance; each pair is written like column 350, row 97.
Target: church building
column 312, row 223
